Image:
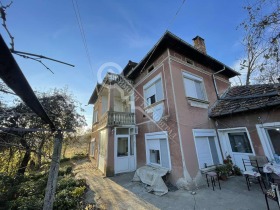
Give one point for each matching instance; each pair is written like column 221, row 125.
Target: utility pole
column 53, row 174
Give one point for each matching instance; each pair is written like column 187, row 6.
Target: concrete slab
column 234, row 195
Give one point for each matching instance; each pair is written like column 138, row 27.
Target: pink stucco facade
column 183, row 117
column 179, row 116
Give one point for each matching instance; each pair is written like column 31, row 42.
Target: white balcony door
column 124, row 153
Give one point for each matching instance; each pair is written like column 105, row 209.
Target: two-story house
column 160, row 117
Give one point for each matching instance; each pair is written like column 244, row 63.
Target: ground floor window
column 157, row 149
column 154, row 156
column 269, row 134
column 103, row 143
column 122, row 146
column 240, row 142
column 207, row 147
column 92, row 147
column 273, row 135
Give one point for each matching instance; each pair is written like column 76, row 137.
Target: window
column 189, row 61
column 157, row 149
column 132, row 137
column 92, row 147
column 104, row 104
column 207, row 148
column 240, row 142
column 122, row 146
column 95, row 118
column 153, row 91
column 151, row 68
column 273, row 135
column 194, row 86
column 103, row 143
column 154, row 156
column 121, row 131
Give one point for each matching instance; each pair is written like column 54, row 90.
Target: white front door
column 124, row 153
column 237, row 144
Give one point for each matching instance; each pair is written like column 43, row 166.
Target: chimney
column 199, row 44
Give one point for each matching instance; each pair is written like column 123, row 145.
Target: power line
column 81, row 28
column 174, row 17
column 168, row 26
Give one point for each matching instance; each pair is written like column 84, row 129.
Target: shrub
column 78, row 191
column 237, row 170
column 79, row 156
column 64, row 160
column 66, row 183
column 222, row 170
column 28, row 193
column 32, row 202
column 68, row 170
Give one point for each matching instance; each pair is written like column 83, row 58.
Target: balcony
column 112, row 118
column 116, row 78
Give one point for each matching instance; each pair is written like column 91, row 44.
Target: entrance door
column 123, row 154
column 238, row 145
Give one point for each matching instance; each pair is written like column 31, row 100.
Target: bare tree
column 261, row 41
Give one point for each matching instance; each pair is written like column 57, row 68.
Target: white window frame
column 148, row 85
column 95, row 116
column 225, row 144
column 188, row 75
column 157, row 136
column 264, row 139
column 92, row 147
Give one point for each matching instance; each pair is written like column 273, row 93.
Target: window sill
column 154, row 104
column 198, row 103
column 157, row 166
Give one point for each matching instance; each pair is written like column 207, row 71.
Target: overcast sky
column 116, row 31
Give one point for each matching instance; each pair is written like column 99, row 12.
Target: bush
column 237, row 170
column 78, row 191
column 31, row 203
column 79, row 156
column 28, row 193
column 68, row 170
column 222, row 170
column 66, row 183
column 64, row 160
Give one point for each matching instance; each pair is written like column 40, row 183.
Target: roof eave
column 231, row 73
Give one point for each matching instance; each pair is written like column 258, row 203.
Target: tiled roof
column 244, row 98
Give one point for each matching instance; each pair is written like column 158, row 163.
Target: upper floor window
column 95, row 118
column 194, row 86
column 153, row 90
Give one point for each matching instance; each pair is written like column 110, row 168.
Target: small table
column 272, row 168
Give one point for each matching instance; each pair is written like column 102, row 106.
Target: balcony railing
column 116, row 78
column 117, row 118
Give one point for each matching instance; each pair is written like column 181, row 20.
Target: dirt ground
column 120, row 193
column 106, row 193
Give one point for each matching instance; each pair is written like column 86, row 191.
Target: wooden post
column 53, row 174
